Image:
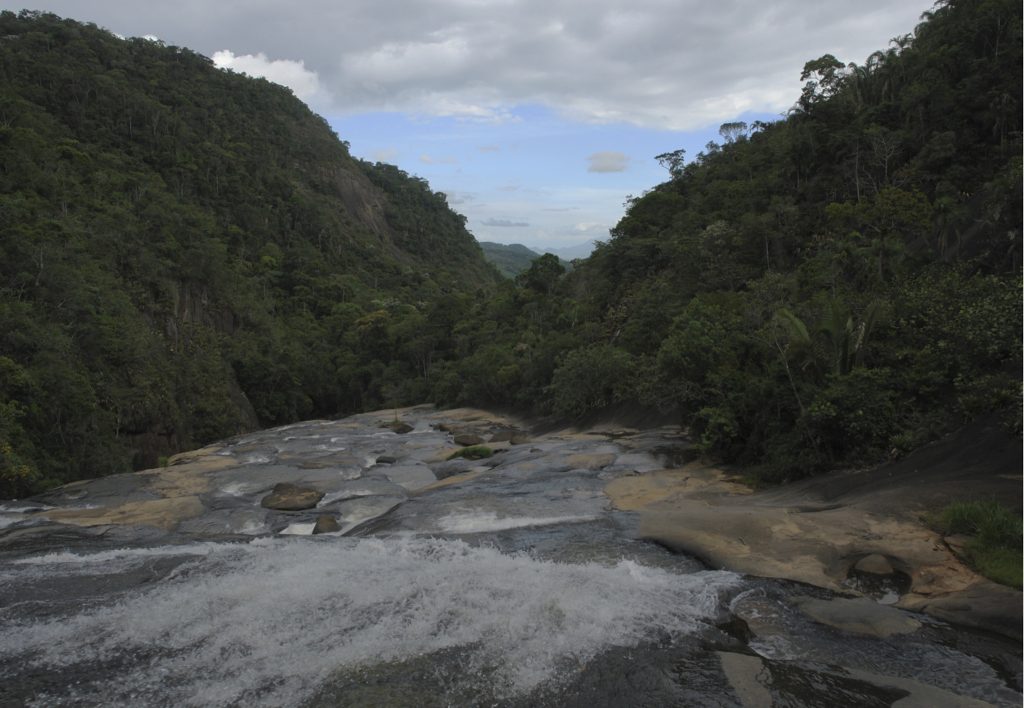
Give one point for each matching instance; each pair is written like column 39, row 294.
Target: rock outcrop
column 291, row 497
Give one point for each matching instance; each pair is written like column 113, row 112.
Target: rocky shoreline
column 845, row 557
column 857, row 533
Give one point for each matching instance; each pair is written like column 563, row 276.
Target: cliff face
column 187, row 253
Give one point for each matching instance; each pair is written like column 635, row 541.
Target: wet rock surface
column 291, row 497
column 385, row 573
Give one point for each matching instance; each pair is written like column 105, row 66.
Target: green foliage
column 510, row 260
column 188, row 253
column 995, row 547
column 590, row 379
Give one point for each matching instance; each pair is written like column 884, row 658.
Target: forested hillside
column 187, row 253
column 510, row 259
column 831, row 289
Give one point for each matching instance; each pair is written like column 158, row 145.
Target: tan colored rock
column 291, row 497
column 590, row 461
column 468, row 439
column 874, row 564
column 788, row 533
column 452, row 480
column 161, row 513
column 188, row 478
column 193, row 455
column 326, row 524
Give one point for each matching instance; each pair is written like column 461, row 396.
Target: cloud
column 304, row 83
column 387, row 154
column 457, row 198
column 489, row 148
column 607, row 161
column 505, row 223
column 676, row 65
column 435, row 160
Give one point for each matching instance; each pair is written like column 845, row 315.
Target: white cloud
column 671, row 64
column 304, row 83
column 438, row 160
column 459, row 198
column 505, row 223
column 607, row 161
column 385, row 155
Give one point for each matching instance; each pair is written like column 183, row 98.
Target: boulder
column 468, row 439
column 291, row 497
column 401, row 428
column 874, row 564
column 387, row 460
column 326, row 524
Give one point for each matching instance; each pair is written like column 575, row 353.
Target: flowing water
column 512, row 583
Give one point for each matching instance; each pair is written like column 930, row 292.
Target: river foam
column 269, row 622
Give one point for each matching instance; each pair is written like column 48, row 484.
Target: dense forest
column 510, row 259
column 831, row 289
column 187, row 253
column 835, row 288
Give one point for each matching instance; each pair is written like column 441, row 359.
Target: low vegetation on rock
column 994, row 545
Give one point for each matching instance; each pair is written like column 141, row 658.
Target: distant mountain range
column 512, row 259
column 570, row 253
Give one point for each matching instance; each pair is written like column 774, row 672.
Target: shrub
column 473, row 452
column 995, row 549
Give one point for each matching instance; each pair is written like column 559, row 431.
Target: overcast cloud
column 675, row 64
column 538, row 118
column 607, row 161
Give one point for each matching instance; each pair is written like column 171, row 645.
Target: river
column 510, row 580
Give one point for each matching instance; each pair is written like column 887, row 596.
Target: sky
column 538, row 118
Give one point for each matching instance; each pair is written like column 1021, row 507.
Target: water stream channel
column 510, row 580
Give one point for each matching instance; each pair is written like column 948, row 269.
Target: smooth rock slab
column 859, row 616
column 411, row 477
column 291, row 497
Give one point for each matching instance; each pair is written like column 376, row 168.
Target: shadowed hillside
column 188, row 253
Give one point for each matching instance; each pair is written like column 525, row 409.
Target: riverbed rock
column 291, row 497
column 859, row 616
column 161, row 513
column 874, row 564
column 590, row 461
column 746, row 675
column 410, row 477
column 468, row 439
column 326, row 524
